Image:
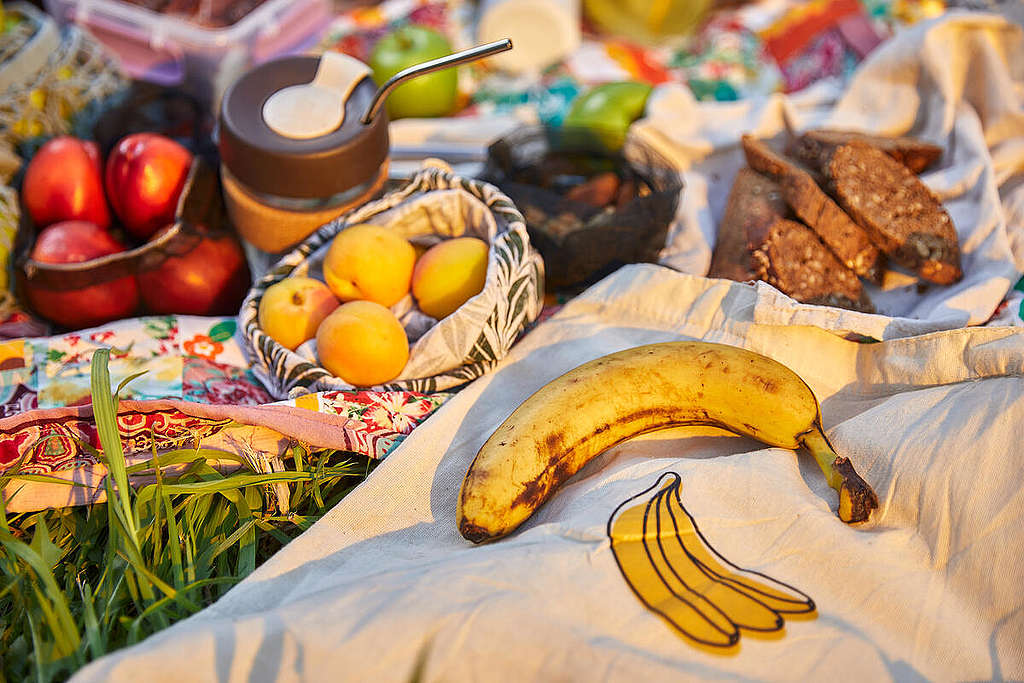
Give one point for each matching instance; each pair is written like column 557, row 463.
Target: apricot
column 371, row 263
column 449, row 274
column 291, row 310
column 363, row 343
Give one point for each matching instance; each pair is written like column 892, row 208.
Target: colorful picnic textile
column 186, row 357
column 756, row 49
column 61, row 444
column 191, row 366
column 751, row 50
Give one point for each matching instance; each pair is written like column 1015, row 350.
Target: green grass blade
column 165, row 601
column 47, row 479
column 37, row 648
column 128, row 379
column 190, row 549
column 42, row 544
column 299, row 462
column 153, row 578
column 184, row 455
column 105, row 414
column 173, row 541
column 279, row 536
column 63, row 643
column 157, row 525
column 241, row 480
column 133, row 555
column 3, row 514
column 113, row 595
column 247, row 548
column 92, row 624
column 231, row 540
column 90, row 449
column 66, row 624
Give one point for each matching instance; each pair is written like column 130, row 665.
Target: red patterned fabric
column 51, row 444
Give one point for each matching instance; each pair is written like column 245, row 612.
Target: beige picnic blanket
column 385, row 589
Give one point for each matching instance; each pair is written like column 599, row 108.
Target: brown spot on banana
column 554, row 441
column 473, row 532
column 534, row 493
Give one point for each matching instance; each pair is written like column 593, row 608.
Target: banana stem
column 856, row 498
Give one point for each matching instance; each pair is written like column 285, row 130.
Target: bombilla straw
column 454, row 59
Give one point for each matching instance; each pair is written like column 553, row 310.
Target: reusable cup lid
column 293, row 127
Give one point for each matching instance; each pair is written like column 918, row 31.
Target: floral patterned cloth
column 386, row 417
column 754, row 49
column 62, row 443
column 46, row 446
column 181, row 357
column 194, row 359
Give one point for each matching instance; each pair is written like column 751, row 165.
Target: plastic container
column 170, row 50
column 48, row 75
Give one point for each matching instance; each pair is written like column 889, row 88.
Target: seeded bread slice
column 792, row 259
column 900, row 213
column 815, row 146
column 814, row 207
column 755, row 242
column 755, row 203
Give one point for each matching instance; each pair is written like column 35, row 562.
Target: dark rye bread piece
column 755, row 203
column 900, row 213
column 814, row 146
column 791, row 258
column 755, row 242
column 814, row 207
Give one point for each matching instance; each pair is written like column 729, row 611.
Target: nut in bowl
column 589, row 210
column 472, row 285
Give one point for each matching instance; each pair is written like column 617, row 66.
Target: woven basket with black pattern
column 435, row 204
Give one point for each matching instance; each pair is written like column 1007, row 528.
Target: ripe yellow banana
column 606, row 401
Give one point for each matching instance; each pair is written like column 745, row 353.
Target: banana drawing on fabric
column 676, row 573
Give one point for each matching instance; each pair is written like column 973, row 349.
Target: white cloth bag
column 958, row 82
column 384, row 588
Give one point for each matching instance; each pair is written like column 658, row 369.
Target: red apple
column 210, row 278
column 76, row 242
column 145, row 175
column 64, row 182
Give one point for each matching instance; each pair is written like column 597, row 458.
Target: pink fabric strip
column 320, row 430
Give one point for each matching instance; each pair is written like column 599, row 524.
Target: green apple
column 432, row 94
column 606, row 111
